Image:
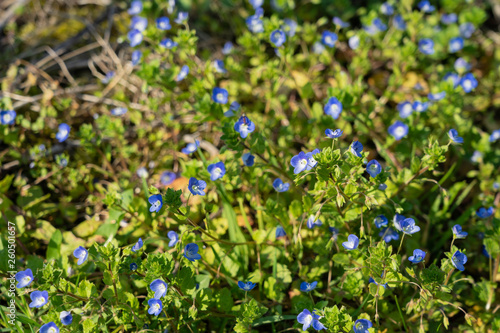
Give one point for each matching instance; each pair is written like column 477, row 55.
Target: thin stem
column 400, row 244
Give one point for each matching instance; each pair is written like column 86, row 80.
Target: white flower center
column 400, row 131
column 303, row 162
column 467, row 85
column 7, row 118
column 328, row 40
column 220, row 96
column 26, row 279
column 308, row 319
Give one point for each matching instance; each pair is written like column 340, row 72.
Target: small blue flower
column 49, row 328
column 7, row 117
column 244, row 126
column 159, row 287
column 318, row 48
column 334, row 231
column 196, row 186
column 373, row 168
column 220, row 95
column 135, row 8
column 168, row 44
column 248, row 159
column 228, row 47
column 409, row 227
column 233, row 108
column 381, row 221
column 397, row 221
column 449, row 18
column 155, row 306
column 191, row 147
column 333, row 134
column 382, row 187
column 133, row 266
column 356, row 148
column 353, row 42
column 299, row 162
column 305, row 318
column 466, row 29
column 476, row 156
column 156, row 201
column 134, row 37
column 280, row 232
column 256, row 3
column 279, row 186
column 81, row 254
column 458, row 260
column 379, row 25
column 163, row 23
column 485, row 252
column 352, row 242
column 398, row 130
column 174, row 238
column 461, row 65
column 317, row 325
column 63, row 132
column 362, row 326
column 437, row 96
column 118, row 111
column 307, row 287
column 495, row 135
column 138, row 23
column 329, row 38
column 457, row 231
column 338, row 22
column 254, row 22
column 216, row 170
column 420, row 106
column 289, row 27
column 24, row 278
column 453, row 135
column 389, row 234
column 39, row 298
column 108, row 77
column 426, row 46
column 456, row 44
column 66, row 317
column 333, row 107
column 313, row 222
column 468, row 82
column 418, row 256
column 484, row 213
column 183, row 73
column 426, row 7
column 246, row 286
column 399, row 23
column 167, row 178
column 277, row 37
column 219, row 67
column 454, row 78
column 405, row 109
column 181, row 17
column 142, row 172
column 311, row 162
column 191, row 252
column 387, row 9
column 137, row 245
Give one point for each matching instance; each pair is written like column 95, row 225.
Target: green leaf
column 54, row 248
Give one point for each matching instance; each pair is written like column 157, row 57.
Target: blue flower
column 174, row 238
column 437, row 96
column 191, row 147
column 426, row 46
column 49, row 328
column 280, row 232
column 254, row 22
column 338, row 22
column 279, row 186
column 362, row 326
column 484, row 212
column 389, row 234
column 305, row 318
column 311, row 162
column 495, row 135
column 24, row 278
column 317, row 325
column 155, row 306
column 420, row 106
column 256, row 3
column 476, row 156
column 135, row 8
column 289, row 27
column 307, row 287
column 219, row 67
column 456, row 44
column 233, row 108
column 333, row 134
column 418, row 256
column 244, row 126
column 453, row 135
column 453, row 78
column 352, row 242
column 66, row 317
column 167, row 178
column 181, row 17
column 334, row 231
column 220, row 95
column 156, row 201
column 353, row 42
column 333, row 107
column 329, row 38
column 168, row 43
column 426, row 7
column 159, row 287
column 228, row 47
column 118, row 111
column 405, row 109
column 373, row 168
column 39, row 298
column 299, row 162
column 138, row 23
column 63, row 132
column 7, row 117
column 398, row 130
column 458, row 260
column 468, row 82
column 191, row 252
column 387, row 9
column 137, row 245
column 108, row 77
column 381, row 221
column 449, row 18
column 313, row 222
column 196, row 186
column 379, row 25
column 397, row 221
column 183, row 73
column 277, row 37
column 356, row 148
column 466, row 29
column 246, row 286
column 133, row 266
column 81, row 254
column 485, row 252
column 409, row 227
column 457, row 232
column 382, row 187
column 216, row 170
column 135, row 37
column 461, row 65
column 399, row 23
column 318, row 48
column 248, row 159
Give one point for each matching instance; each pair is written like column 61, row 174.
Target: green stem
column 400, row 313
column 400, row 244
